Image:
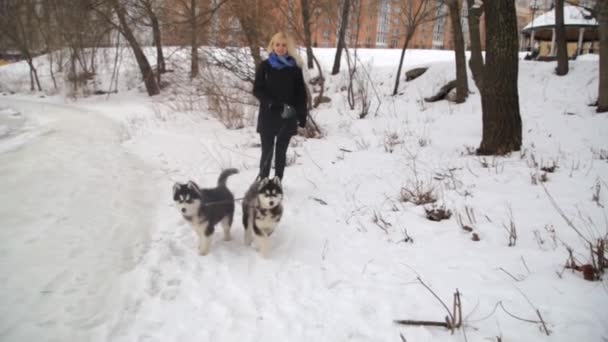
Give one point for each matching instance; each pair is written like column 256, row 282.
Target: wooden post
column 532, row 41
column 552, row 53
column 579, row 47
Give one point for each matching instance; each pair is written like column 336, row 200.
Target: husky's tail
column 221, row 181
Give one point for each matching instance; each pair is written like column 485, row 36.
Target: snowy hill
column 350, row 254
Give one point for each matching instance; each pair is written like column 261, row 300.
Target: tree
column 193, row 16
column 254, row 24
column 502, row 128
column 602, row 103
column 343, row 25
column 462, row 86
column 475, row 10
column 150, row 9
column 192, row 21
column 16, row 25
column 46, row 29
column 414, row 14
column 560, row 39
column 306, row 23
column 301, row 26
column 142, row 61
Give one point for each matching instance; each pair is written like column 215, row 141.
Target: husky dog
column 204, row 208
column 262, row 211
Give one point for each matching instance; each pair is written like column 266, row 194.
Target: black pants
column 268, row 147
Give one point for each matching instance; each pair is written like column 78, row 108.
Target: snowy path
column 92, row 248
column 71, row 221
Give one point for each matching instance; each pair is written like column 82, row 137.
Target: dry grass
column 419, row 193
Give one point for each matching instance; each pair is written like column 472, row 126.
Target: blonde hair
column 291, row 46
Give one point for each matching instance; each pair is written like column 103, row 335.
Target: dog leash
column 266, row 162
column 220, row 202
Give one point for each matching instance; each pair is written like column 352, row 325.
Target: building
column 372, row 23
column 383, row 24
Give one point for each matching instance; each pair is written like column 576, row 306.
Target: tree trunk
column 194, row 70
column 602, row 101
column 254, row 47
column 247, row 14
column 144, row 66
column 31, row 80
column 343, row 25
column 408, row 37
column 476, row 61
column 45, row 29
column 499, row 95
column 33, row 73
column 51, row 70
column 462, row 86
column 307, row 34
column 560, row 39
column 160, row 57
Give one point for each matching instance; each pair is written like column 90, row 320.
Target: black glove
column 276, row 105
column 288, row 112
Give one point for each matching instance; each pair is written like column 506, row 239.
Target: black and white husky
column 262, row 211
column 204, row 208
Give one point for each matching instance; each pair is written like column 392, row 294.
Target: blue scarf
column 280, row 62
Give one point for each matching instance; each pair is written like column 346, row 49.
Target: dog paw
column 248, row 240
column 204, row 245
column 227, row 237
column 203, row 251
column 263, row 248
column 264, row 254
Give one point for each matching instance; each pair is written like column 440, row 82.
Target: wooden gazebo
column 580, row 28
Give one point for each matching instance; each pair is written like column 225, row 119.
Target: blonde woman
column 279, row 86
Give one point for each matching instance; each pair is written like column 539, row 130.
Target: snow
column 93, row 248
column 573, row 16
column 69, row 223
column 15, row 131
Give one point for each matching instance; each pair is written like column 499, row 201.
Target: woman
column 279, row 86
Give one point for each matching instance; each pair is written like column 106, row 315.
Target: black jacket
column 274, row 87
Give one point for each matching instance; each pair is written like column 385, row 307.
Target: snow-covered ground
column 93, row 249
column 72, row 199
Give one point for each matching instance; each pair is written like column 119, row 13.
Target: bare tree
column 560, row 39
column 255, row 28
column 341, row 44
column 462, row 86
column 150, row 10
column 83, row 26
column 602, row 103
column 502, row 129
column 142, row 61
column 306, row 23
column 301, row 27
column 353, row 73
column 46, row 29
column 475, row 10
column 194, row 43
column 16, row 24
column 193, row 16
column 413, row 14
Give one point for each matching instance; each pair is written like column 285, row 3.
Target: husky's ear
column 263, row 183
column 276, row 180
column 193, row 186
column 176, row 187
